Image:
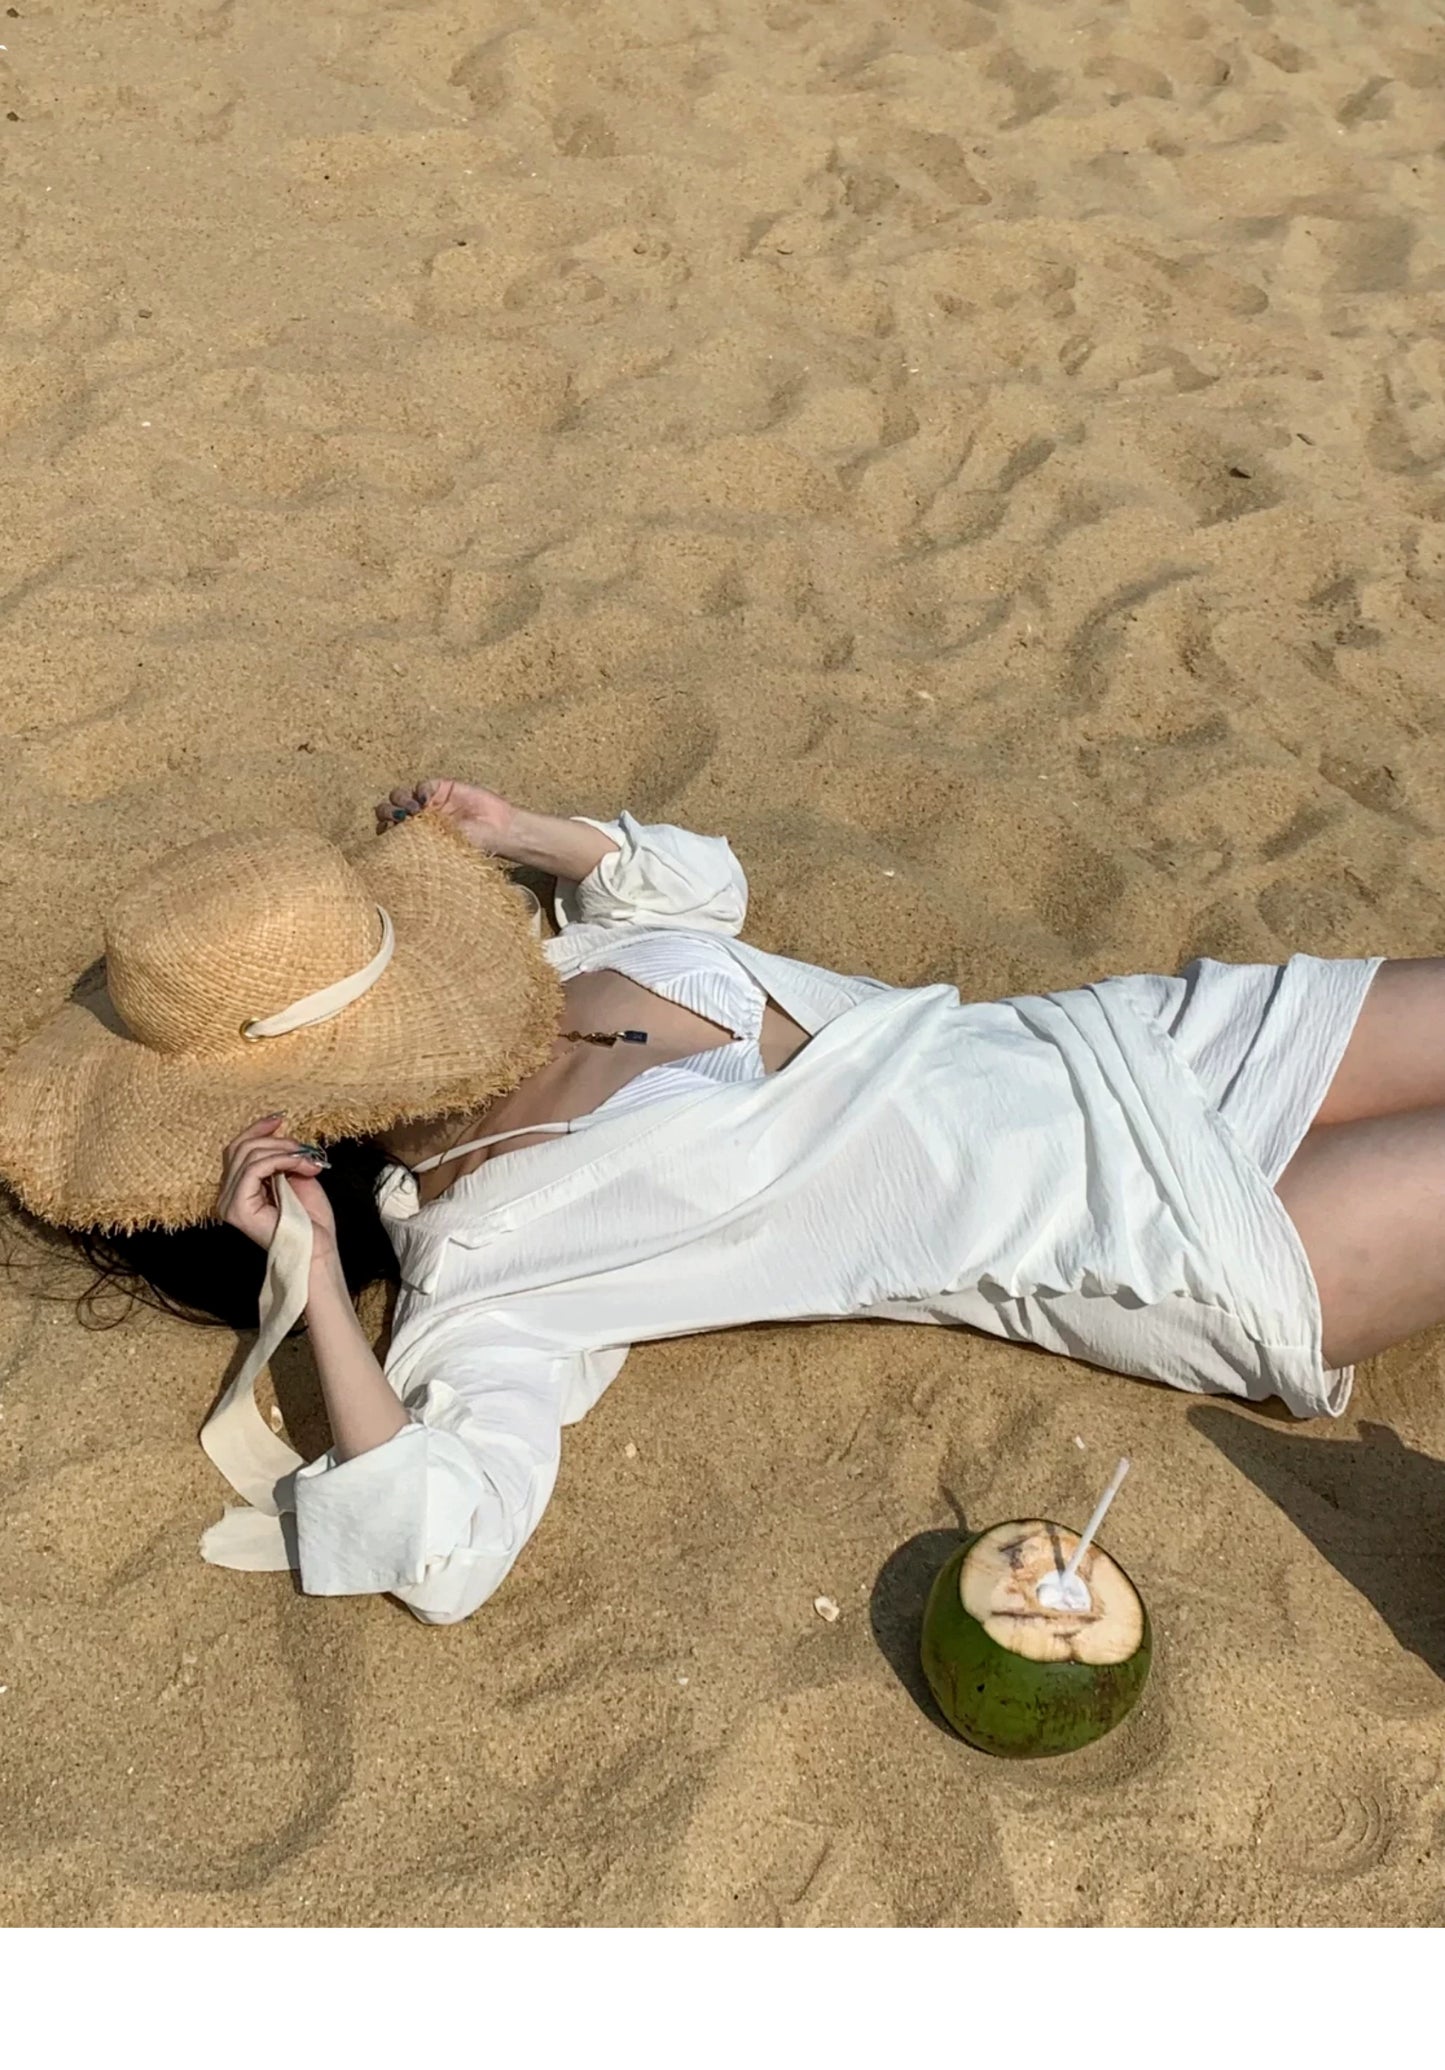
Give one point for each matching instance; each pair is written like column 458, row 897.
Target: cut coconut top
column 998, row 1584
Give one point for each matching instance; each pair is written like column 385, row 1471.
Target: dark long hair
column 212, row 1273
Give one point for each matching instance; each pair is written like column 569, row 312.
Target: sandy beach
column 987, row 460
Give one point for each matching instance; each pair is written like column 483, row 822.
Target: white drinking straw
column 1064, row 1591
column 1100, row 1511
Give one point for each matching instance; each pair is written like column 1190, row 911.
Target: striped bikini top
column 699, row 974
column 692, row 971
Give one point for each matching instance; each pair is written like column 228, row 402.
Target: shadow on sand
column 1373, row 1506
column 895, row 1611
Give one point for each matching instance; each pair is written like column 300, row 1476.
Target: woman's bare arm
column 566, row 848
column 364, row 1411
column 360, row 1405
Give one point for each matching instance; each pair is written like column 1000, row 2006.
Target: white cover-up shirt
column 1047, row 1168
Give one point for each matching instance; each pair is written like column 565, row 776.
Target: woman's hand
column 564, row 848
column 246, row 1200
column 483, row 817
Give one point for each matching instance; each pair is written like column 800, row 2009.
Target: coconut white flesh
column 998, row 1584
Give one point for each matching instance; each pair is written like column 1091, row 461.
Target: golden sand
column 986, row 460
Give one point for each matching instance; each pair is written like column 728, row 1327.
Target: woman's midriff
column 583, row 1075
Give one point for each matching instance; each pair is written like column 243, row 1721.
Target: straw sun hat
column 265, row 973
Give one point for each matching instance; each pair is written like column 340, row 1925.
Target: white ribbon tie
column 326, row 1004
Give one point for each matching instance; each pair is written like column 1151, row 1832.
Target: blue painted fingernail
column 398, row 812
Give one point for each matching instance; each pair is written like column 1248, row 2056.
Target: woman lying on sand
column 1229, row 1180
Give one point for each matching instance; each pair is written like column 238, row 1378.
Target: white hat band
column 326, row 1004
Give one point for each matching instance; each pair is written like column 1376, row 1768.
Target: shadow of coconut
column 896, row 1607
column 1373, row 1506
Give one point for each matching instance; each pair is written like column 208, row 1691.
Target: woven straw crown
column 114, row 1114
column 220, row 935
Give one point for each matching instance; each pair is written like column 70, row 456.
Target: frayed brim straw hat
column 249, row 975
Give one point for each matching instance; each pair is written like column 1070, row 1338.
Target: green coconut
column 1020, row 1676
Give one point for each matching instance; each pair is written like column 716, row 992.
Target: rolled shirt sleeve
column 438, row 1514
column 658, row 876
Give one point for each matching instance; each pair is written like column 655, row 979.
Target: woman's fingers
column 400, row 804
column 248, row 1196
column 262, row 1135
column 247, row 1154
column 258, row 1131
column 406, row 800
column 296, row 1164
column 262, row 1157
column 257, row 1157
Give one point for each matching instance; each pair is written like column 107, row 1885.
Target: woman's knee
column 1394, row 1062
column 1367, row 1199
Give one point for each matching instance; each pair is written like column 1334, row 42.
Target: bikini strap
column 538, row 1128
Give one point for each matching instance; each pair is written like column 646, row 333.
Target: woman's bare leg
column 1368, row 1200
column 1395, row 1061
